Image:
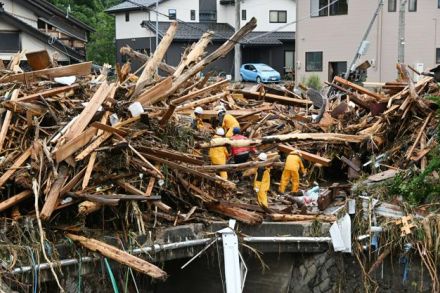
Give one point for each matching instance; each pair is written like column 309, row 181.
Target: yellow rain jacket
column 229, row 122
column 219, row 156
column 291, row 172
column 262, row 185
column 197, row 122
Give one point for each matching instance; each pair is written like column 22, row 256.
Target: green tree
column 101, row 46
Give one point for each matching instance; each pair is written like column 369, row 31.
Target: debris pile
column 79, row 142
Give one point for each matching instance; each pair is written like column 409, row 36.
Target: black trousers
column 241, row 158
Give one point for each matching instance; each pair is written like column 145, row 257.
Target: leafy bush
column 314, row 82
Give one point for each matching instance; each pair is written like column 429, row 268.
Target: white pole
column 237, row 55
column 157, row 24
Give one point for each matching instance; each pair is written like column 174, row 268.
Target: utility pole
column 237, row 55
column 157, row 24
column 401, row 40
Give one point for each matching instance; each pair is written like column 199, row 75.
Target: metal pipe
column 176, row 245
column 286, row 239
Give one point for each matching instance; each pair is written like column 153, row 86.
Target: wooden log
column 328, row 137
column 149, row 96
column 89, row 111
column 88, row 207
column 17, row 164
column 174, row 103
column 153, row 63
column 80, row 69
column 54, row 194
column 7, row 121
column 201, row 102
column 419, row 135
column 14, row 200
column 48, row 93
column 126, row 50
column 120, row 256
column 305, row 155
column 237, row 213
column 379, row 260
column 237, row 167
column 196, row 52
column 216, row 179
column 358, row 88
column 275, row 98
column 221, row 52
column 299, row 218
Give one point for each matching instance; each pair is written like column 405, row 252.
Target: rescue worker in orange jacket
column 197, row 122
column 262, row 182
column 219, row 155
column 227, row 121
column 291, row 171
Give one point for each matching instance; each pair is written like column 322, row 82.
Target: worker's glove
column 257, row 190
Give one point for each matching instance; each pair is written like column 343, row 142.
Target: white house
column 272, row 42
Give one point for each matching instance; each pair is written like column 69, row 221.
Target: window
column 438, row 4
column 243, row 14
column 193, row 15
column 127, row 16
column 412, row 5
column 289, row 61
column 172, row 14
column 437, row 56
column 313, row 61
column 278, row 16
column 392, row 5
column 10, row 42
column 328, row 7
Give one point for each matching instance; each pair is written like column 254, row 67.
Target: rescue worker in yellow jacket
column 197, row 122
column 262, row 182
column 227, row 121
column 219, row 155
column 291, row 171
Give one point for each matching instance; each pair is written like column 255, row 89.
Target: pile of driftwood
column 73, row 143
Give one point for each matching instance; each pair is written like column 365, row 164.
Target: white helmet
column 262, row 157
column 220, row 131
column 198, row 110
column 220, row 109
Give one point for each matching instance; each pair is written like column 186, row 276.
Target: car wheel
column 258, row 79
column 242, row 78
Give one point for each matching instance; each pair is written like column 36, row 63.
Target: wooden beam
column 419, row 135
column 358, row 88
column 120, row 256
column 126, row 50
column 353, row 97
column 306, row 156
column 79, row 69
column 172, row 155
column 201, row 102
column 48, row 93
column 299, row 218
column 149, row 96
column 17, row 164
column 7, row 121
column 89, row 111
column 75, row 144
column 275, row 98
column 54, row 194
column 14, row 200
column 153, row 63
column 237, row 167
column 235, row 212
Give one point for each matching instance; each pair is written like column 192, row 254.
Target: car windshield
column 264, row 67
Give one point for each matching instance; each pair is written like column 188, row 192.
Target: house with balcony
column 328, row 37
column 36, row 25
column 272, row 42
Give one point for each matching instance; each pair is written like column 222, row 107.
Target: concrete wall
column 132, row 29
column 339, row 36
column 183, row 10
column 260, row 10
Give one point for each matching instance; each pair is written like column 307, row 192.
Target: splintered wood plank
column 7, row 121
column 419, row 135
column 298, row 218
column 80, row 69
column 54, row 193
column 14, row 200
column 153, row 63
column 307, row 156
column 133, row 190
column 358, row 88
column 75, row 144
column 120, row 256
column 201, row 102
column 276, row 98
column 17, row 164
column 89, row 111
column 149, row 97
column 48, row 93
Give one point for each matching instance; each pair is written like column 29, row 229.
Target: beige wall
column 132, row 28
column 339, row 36
column 20, row 12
